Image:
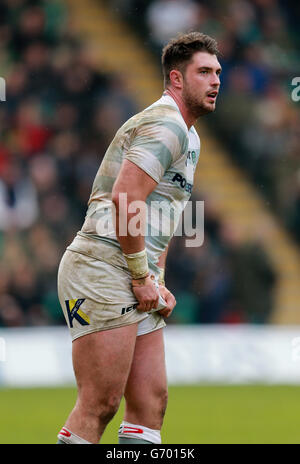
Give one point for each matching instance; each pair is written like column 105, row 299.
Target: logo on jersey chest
column 180, row 180
column 192, row 157
column 190, row 163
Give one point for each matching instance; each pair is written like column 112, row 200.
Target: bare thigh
column 101, row 362
column 146, row 388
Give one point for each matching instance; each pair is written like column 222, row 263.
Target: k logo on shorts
column 74, row 312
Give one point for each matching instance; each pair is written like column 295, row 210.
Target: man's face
column 201, row 83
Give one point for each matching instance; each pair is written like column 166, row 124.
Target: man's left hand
column 169, row 299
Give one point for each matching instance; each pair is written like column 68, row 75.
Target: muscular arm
column 137, row 185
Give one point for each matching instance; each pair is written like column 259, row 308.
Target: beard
column 195, row 106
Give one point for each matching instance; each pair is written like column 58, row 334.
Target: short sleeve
column 155, row 146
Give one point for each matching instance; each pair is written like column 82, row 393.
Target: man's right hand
column 146, row 292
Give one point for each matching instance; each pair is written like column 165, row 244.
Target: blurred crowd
column 61, row 113
column 58, row 118
column 226, row 280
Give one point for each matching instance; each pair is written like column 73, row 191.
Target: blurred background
column 74, row 72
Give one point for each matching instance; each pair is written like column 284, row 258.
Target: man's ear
column 176, row 79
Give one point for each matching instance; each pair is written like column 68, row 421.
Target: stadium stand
column 74, row 73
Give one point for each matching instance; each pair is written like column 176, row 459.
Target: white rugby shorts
column 95, row 296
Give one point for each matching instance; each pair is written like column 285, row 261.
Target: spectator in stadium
column 18, row 198
column 168, row 17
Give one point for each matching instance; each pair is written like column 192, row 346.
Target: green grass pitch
column 195, row 414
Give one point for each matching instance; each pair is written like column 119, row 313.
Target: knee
column 108, row 408
column 152, row 405
column 103, row 408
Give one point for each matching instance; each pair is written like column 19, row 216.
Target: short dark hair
column 180, row 50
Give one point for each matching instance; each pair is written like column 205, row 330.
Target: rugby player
column 111, row 279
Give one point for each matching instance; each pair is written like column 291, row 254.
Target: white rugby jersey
column 159, row 142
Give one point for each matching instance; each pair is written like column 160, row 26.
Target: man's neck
column 188, row 118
